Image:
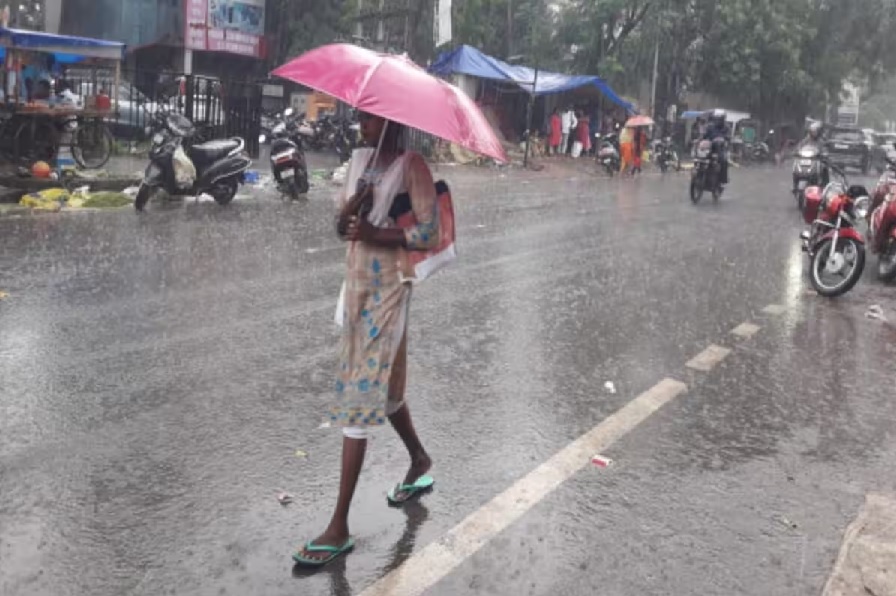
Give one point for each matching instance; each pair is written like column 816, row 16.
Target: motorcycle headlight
column 862, row 206
column 831, row 191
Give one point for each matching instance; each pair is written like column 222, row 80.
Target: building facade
column 213, row 37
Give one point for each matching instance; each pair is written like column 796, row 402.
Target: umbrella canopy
column 639, row 121
column 395, row 88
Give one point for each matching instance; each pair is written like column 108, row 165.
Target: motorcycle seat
column 215, row 150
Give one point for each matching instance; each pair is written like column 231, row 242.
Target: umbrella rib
column 369, row 75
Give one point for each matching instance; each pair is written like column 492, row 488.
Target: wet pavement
column 159, row 373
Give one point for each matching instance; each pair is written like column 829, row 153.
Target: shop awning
column 470, row 61
column 61, row 45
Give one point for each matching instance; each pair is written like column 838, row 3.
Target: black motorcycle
column 666, row 156
column 288, row 154
column 809, row 169
column 707, row 172
column 182, row 168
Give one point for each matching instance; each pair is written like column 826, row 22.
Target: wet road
column 158, row 375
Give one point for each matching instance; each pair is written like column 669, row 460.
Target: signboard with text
column 234, row 26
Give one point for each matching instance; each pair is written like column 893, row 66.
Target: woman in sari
column 555, row 133
column 371, row 375
column 584, row 132
column 626, row 150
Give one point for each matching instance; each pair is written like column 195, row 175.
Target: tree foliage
column 775, row 58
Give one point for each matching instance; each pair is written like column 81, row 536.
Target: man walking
column 568, row 124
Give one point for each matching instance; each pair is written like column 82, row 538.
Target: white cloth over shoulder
column 386, row 186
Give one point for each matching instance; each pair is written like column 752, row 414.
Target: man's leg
column 336, row 534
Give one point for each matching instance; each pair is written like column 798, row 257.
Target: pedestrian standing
column 371, row 376
column 640, row 144
column 626, row 150
column 567, row 126
column 556, row 132
column 584, row 132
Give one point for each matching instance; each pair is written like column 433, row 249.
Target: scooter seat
column 214, row 150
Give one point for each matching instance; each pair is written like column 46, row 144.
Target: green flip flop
column 335, row 552
column 402, row 493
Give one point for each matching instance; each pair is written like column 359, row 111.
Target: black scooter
column 288, row 155
column 220, row 166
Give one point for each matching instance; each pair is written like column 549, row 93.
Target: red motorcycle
column 836, row 249
column 882, row 223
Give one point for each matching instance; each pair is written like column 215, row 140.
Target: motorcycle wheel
column 886, row 265
column 302, row 185
column 716, row 188
column 609, row 169
column 663, row 166
column 696, row 188
column 848, row 254
column 224, row 191
column 142, row 198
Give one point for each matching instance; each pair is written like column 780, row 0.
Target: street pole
column 529, row 109
column 656, row 63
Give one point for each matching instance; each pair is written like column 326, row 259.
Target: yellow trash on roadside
column 51, row 199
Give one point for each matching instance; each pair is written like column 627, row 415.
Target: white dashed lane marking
column 746, row 330
column 427, row 567
column 706, row 360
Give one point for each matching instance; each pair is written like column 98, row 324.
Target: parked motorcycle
column 809, row 169
column 288, row 163
column 757, row 152
column 608, row 152
column 834, row 245
column 334, row 134
column 666, row 156
column 182, row 168
column 882, row 223
column 707, row 172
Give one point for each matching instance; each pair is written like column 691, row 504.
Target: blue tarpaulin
column 61, row 45
column 470, row 61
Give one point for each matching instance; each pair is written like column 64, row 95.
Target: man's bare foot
column 420, row 465
column 330, row 537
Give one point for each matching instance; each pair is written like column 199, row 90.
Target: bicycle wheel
column 36, row 140
column 92, row 144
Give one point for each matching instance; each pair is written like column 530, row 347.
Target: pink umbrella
column 639, row 121
column 395, row 88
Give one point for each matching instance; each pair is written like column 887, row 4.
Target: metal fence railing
column 218, row 108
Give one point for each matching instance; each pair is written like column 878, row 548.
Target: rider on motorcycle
column 813, row 135
column 718, row 130
column 814, row 138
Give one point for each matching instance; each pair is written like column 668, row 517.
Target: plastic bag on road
column 184, row 170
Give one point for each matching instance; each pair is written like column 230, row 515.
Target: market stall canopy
column 470, row 61
column 61, row 46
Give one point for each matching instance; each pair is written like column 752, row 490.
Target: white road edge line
column 746, row 330
column 428, row 566
column 707, row 360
